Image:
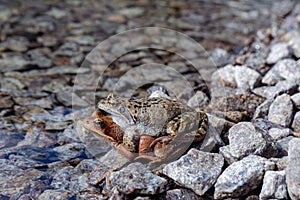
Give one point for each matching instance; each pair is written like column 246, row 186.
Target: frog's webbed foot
column 162, row 139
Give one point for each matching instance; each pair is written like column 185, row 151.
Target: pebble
column 279, row 133
column 274, row 186
column 182, row 194
column 56, row 194
column 278, row 52
column 244, row 140
column 281, row 110
column 220, row 57
column 246, row 78
column 283, row 145
column 70, row 151
column 225, row 76
column 292, row 38
column 242, row 177
column 136, row 178
column 200, row 99
column 296, row 122
column 286, row 69
column 29, row 181
column 293, row 169
column 271, row 92
column 296, row 100
column 13, row 63
column 196, row 170
column 262, row 110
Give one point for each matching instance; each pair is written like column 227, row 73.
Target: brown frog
column 160, row 118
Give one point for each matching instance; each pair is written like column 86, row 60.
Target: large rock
column 286, row 69
column 196, row 170
column 242, row 177
column 293, row 169
column 278, row 51
column 136, row 178
column 281, row 110
column 274, row 186
column 245, row 139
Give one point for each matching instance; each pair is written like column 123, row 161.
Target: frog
column 104, row 127
column 161, row 118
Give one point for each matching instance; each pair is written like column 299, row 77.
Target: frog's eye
column 100, row 123
column 122, row 109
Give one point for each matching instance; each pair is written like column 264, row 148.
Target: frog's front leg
column 131, row 138
column 188, row 125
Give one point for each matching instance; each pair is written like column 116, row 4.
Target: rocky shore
column 247, row 81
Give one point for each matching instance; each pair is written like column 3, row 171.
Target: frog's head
column 118, row 109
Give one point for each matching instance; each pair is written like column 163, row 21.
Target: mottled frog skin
column 155, row 117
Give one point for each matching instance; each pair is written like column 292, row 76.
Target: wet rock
column 40, row 58
column 13, row 63
column 114, row 159
column 281, row 110
column 198, row 100
column 50, row 125
column 69, row 178
column 30, row 181
column 98, row 174
column 42, row 102
column 196, row 170
column 279, row 133
column 6, row 102
column 296, row 100
column 24, row 162
column 17, row 43
column 274, row 186
column 56, row 194
column 136, row 178
column 278, row 52
column 244, row 140
column 296, row 122
column 293, row 169
column 182, row 194
column 68, row 98
column 286, row 69
column 248, row 174
column 70, row 151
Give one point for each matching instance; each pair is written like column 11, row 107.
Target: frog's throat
column 121, row 121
